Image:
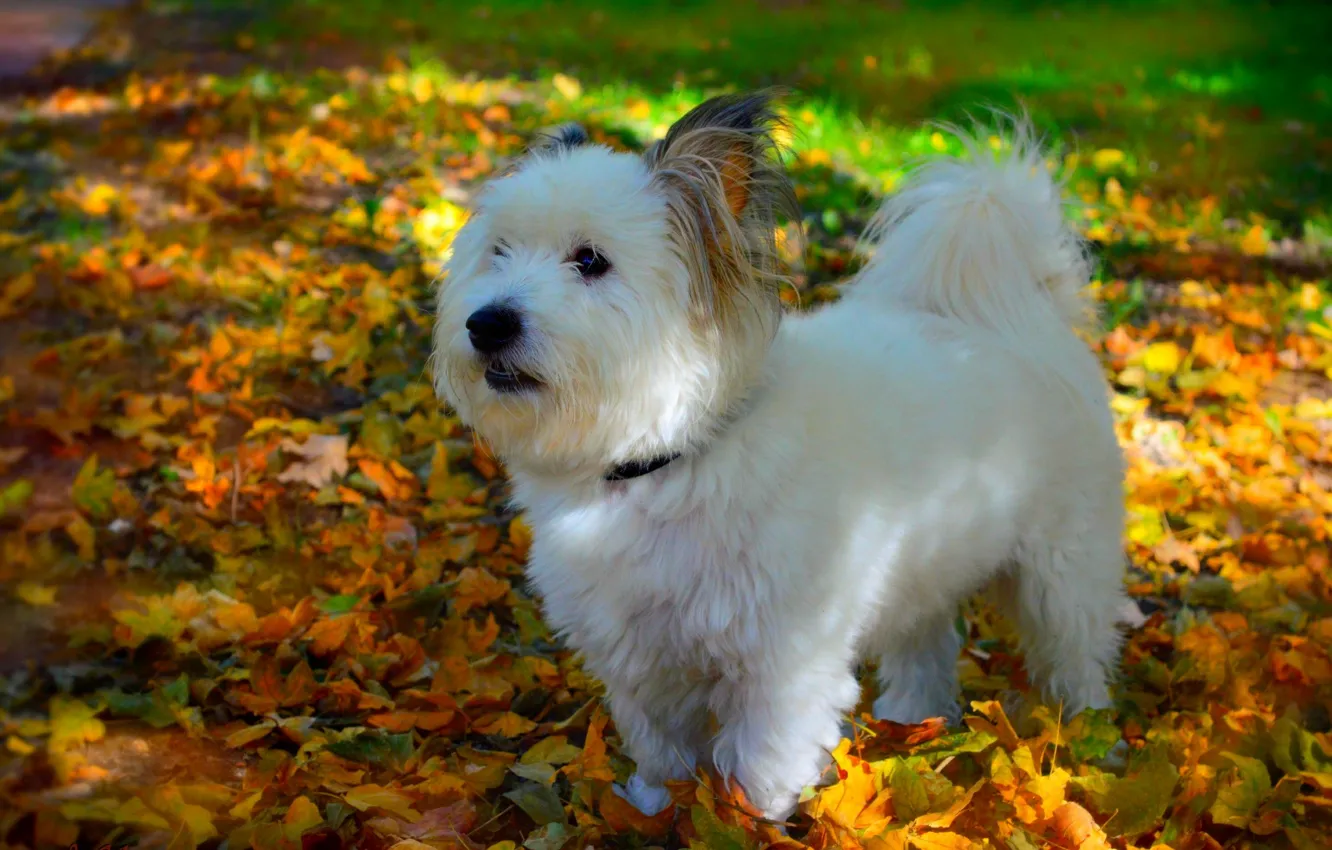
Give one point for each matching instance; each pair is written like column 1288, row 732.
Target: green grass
column 1207, row 97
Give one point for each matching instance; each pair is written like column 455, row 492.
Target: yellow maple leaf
column 1042, row 796
column 1255, row 242
column 843, row 801
column 1162, row 358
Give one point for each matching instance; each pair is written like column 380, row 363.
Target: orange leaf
column 302, row 815
column 151, row 276
column 477, row 588
column 300, row 685
column 329, row 635
column 592, row 763
column 238, row 618
column 446, row 823
column 506, row 724
column 266, row 678
column 621, row 816
column 388, row 484
column 270, row 685
column 1076, row 825
column 404, row 721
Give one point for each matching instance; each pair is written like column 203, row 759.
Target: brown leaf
column 1172, row 550
column 325, row 459
column 622, row 816
column 404, row 721
column 151, row 276
column 1076, row 826
column 505, row 724
column 444, row 823
column 266, row 679
column 329, row 635
column 477, row 588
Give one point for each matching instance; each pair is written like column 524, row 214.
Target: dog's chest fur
column 643, row 592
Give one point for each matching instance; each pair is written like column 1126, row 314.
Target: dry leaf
column 325, row 459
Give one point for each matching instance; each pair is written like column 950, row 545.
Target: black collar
column 638, row 468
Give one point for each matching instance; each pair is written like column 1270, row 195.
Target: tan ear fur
column 734, row 185
column 725, row 189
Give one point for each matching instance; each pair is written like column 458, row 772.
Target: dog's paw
column 648, row 799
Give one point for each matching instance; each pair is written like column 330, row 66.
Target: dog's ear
column 724, row 141
column 565, row 137
column 718, row 169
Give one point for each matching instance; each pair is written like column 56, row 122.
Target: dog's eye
column 501, row 249
column 589, row 262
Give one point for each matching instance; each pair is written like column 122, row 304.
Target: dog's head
column 601, row 307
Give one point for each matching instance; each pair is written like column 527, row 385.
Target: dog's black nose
column 493, row 327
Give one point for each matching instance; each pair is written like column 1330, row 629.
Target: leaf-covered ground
column 258, row 588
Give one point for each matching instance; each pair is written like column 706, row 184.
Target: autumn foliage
column 258, row 588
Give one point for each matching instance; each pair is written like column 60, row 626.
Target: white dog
column 731, row 508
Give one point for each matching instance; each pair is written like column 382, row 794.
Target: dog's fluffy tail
column 982, row 238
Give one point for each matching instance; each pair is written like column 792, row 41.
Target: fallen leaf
column 365, row 797
column 325, row 460
column 35, row 594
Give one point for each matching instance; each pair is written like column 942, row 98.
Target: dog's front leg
column 778, row 734
column 662, row 731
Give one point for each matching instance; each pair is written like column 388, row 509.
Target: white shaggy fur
column 845, row 480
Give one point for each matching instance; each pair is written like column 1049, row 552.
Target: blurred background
column 259, row 588
column 1183, row 120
